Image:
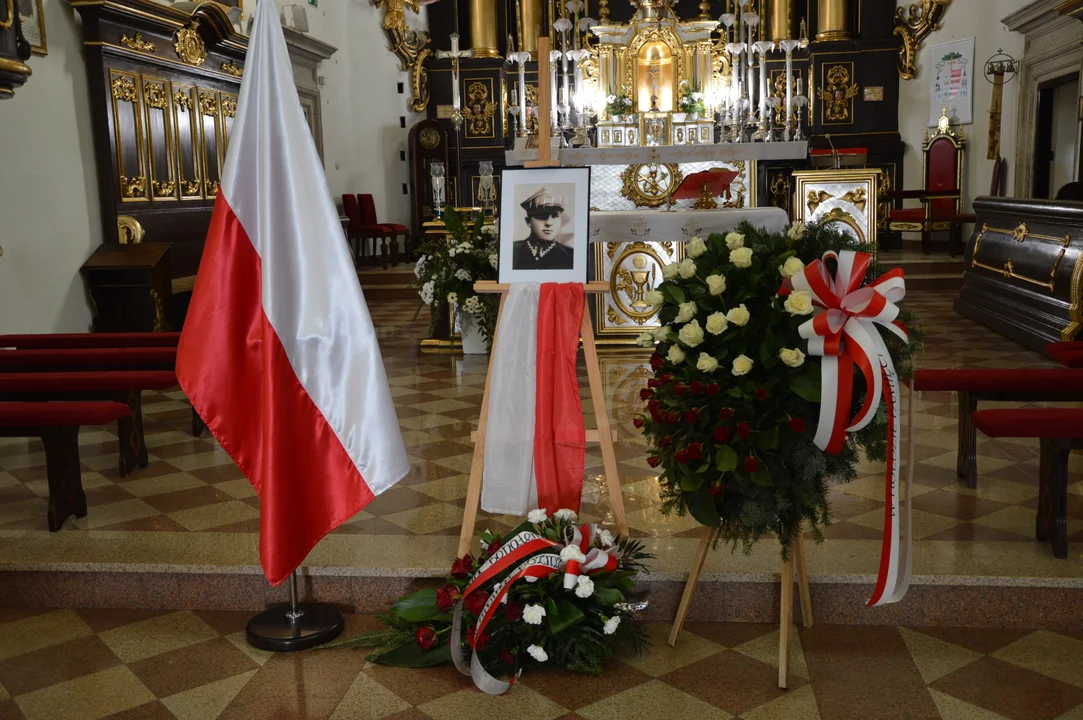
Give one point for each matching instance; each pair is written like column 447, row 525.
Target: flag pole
column 297, row 626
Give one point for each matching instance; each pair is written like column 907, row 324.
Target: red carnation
column 743, row 429
column 506, row 657
column 695, row 451
column 425, row 637
column 495, row 545
column 751, row 464
column 715, row 491
column 653, row 383
column 462, row 567
column 722, row 433
column 513, row 611
column 646, row 394
column 654, row 461
column 691, row 416
column 682, row 457
column 761, row 394
column 697, row 387
column 797, row 424
column 665, row 377
column 713, row 389
column 725, row 413
column 638, row 422
column 665, row 441
column 478, row 642
column 657, row 362
column 673, row 417
column 446, row 597
column 475, row 601
column 679, row 389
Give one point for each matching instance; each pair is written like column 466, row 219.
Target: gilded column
column 780, row 20
column 483, row 28
column 532, row 22
column 832, row 19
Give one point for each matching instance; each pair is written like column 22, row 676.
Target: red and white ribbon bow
column 844, row 336
column 594, row 559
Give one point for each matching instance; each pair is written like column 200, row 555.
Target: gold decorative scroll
column 230, row 68
column 182, row 100
column 650, row 184
column 164, row 188
column 857, row 198
column 923, row 19
column 190, row 187
column 410, row 47
column 129, row 230
column 778, row 184
column 154, row 95
column 123, row 89
column 208, row 105
column 133, row 187
column 229, row 106
column 479, row 110
column 137, row 43
column 838, row 93
column 189, row 45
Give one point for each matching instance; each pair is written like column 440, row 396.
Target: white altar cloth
column 680, row 225
column 708, row 152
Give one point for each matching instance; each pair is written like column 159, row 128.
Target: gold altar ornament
column 411, row 47
column 833, row 19
column 189, row 45
column 923, row 19
column 837, row 93
column 650, row 184
column 137, row 43
column 231, row 68
column 479, row 110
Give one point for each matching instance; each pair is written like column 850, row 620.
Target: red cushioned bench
column 69, row 341
column 974, row 385
column 119, row 386
column 1068, row 354
column 1060, row 430
column 57, row 424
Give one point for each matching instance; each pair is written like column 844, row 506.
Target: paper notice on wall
column 951, row 80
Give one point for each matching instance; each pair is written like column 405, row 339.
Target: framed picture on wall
column 32, row 17
column 544, row 218
column 951, row 81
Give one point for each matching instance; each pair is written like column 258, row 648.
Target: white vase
column 473, row 341
column 678, row 117
column 693, row 116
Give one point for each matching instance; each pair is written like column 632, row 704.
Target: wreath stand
column 797, row 557
column 604, row 435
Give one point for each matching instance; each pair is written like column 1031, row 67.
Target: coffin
column 1024, row 270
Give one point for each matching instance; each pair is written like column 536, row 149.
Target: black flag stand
column 297, row 626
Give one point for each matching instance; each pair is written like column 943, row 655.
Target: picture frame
column 951, row 81
column 544, row 224
column 32, row 18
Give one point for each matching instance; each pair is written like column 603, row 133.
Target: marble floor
column 143, row 665
column 192, row 510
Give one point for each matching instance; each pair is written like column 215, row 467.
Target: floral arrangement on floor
column 733, row 405
column 549, row 592
column 692, row 102
column 619, row 104
column 448, row 267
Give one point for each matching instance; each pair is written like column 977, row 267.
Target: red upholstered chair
column 941, row 197
column 393, row 230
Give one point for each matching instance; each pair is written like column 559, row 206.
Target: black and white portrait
column 543, row 225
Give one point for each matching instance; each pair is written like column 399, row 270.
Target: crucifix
column 653, row 70
column 455, row 54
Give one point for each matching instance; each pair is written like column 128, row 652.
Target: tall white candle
column 763, row 80
column 553, row 91
column 522, row 87
column 751, row 81
column 789, row 87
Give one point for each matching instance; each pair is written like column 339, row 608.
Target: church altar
column 623, row 225
column 698, row 152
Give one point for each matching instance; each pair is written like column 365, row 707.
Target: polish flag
column 278, row 354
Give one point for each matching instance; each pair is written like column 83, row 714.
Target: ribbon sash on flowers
column 844, row 336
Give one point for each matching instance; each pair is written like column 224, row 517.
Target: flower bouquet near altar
column 619, row 104
column 752, row 324
column 549, row 592
column 448, row 267
column 692, row 101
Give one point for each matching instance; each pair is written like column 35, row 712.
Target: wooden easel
column 797, row 557
column 604, row 435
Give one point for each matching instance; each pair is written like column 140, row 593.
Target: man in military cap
column 541, row 250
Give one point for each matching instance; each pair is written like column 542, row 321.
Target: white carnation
column 533, row 614
column 566, row 514
column 419, row 267
column 696, row 247
column 686, row 311
column 537, row 652
column 584, row 587
column 611, row 625
column 489, row 229
column 687, row 268
column 605, row 538
column 427, row 292
column 571, row 553
column 537, row 516
column 675, row 354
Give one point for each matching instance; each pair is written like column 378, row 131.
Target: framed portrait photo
column 32, row 18
column 544, row 217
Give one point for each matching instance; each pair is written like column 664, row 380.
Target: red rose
column 673, row 417
column 751, row 464
column 638, row 422
column 695, row 451
column 506, row 657
column 654, row 461
column 682, row 457
column 646, row 394
column 654, row 405
column 653, row 383
column 743, row 429
column 495, row 545
column 713, row 389
column 691, row 416
column 725, row 413
column 657, row 415
column 446, row 597
column 657, row 362
column 425, row 637
column 462, row 567
column 665, row 441
column 475, row 601
column 697, row 387
column 513, row 611
column 478, row 642
column 665, row 377
column 679, row 389
column 797, row 424
column 716, row 491
column 722, row 433
column 761, row 394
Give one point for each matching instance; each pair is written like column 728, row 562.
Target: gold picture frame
column 32, row 18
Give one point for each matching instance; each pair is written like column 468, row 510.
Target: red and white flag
column 278, row 354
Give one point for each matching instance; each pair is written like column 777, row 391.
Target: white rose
column 494, row 260
column 799, row 303
column 584, row 587
column 571, row 553
column 741, row 257
column 537, row 516
column 452, row 298
column 605, row 538
column 675, row 354
column 706, row 363
column 717, row 323
column 791, row 267
column 645, row 340
column 654, row 297
column 566, row 514
column 669, row 271
column 686, row 311
column 610, row 626
column 792, row 357
column 691, row 334
column 742, row 365
column 739, row 315
column 796, row 231
column 538, row 653
column 716, row 284
column 687, row 268
column 696, row 247
column 661, row 334
column 735, row 240
column 533, row 614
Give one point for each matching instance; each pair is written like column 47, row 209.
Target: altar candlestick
column 553, row 87
column 522, row 85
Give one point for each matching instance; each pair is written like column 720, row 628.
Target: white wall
column 1065, row 132
column 979, row 19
